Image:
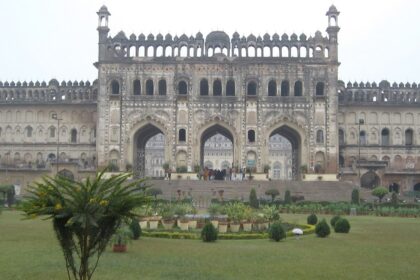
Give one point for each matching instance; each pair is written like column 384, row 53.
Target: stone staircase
column 203, row 191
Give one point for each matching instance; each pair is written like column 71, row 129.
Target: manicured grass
column 376, row 248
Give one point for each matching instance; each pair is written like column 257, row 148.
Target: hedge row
column 307, row 229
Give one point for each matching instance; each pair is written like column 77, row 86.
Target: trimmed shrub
column 276, row 232
column 342, row 226
column 135, row 229
column 355, row 197
column 273, row 193
column 312, row 219
column 209, row 233
column 334, row 220
column 154, row 192
column 394, row 199
column 253, row 200
column 287, row 197
column 322, row 229
column 380, row 192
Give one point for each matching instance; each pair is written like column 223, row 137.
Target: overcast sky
column 45, row 39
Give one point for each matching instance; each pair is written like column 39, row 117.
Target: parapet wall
column 53, row 92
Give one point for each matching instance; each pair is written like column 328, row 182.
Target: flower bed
column 195, row 234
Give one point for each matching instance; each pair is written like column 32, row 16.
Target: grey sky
column 44, row 39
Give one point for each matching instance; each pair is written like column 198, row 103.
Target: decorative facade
column 188, row 89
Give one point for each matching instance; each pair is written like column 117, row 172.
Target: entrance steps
column 203, row 191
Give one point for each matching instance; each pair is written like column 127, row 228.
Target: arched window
column 204, row 87
column 136, row 87
column 251, row 136
column 319, row 136
column 217, row 88
column 285, row 88
column 29, row 131
column 252, row 88
column 272, row 88
column 362, row 137
column 182, row 88
column 73, row 136
column 182, row 135
column 298, row 88
column 149, row 87
column 52, row 132
column 340, row 137
column 319, row 91
column 385, row 137
column 115, row 87
column 162, row 87
column 230, row 88
column 409, row 137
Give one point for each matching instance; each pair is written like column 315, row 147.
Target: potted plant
column 247, row 219
column 192, row 222
column 235, row 215
column 260, row 222
column 214, row 210
column 271, row 213
column 120, row 239
column 180, row 211
column 144, row 213
column 167, row 214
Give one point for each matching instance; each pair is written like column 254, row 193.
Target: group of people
column 228, row 174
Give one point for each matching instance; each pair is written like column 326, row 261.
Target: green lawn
column 376, row 248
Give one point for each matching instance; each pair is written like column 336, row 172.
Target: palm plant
column 85, row 215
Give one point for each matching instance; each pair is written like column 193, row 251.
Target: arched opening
column 369, row 180
column 285, row 147
column 136, row 87
column 115, row 87
column 416, row 187
column 217, row 88
column 409, row 137
column 73, row 136
column 182, row 88
column 204, row 87
column 251, row 88
column 251, row 136
column 394, row 187
column 319, row 166
column 385, row 137
column 341, row 161
column 319, row 91
column 29, row 131
column 319, row 136
column 285, row 88
column 298, row 88
column 149, row 87
column 182, row 135
column 162, row 87
column 149, row 151
column 341, row 137
column 280, row 152
column 216, row 147
column 362, row 137
column 272, row 88
column 230, row 88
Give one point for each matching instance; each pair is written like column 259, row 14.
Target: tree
column 287, row 197
column 253, row 200
column 394, row 199
column 273, row 193
column 85, row 215
column 380, row 192
column 355, row 197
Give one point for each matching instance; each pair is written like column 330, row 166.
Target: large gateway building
column 270, row 104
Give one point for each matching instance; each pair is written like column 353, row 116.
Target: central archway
column 209, row 133
column 141, row 143
column 292, row 158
